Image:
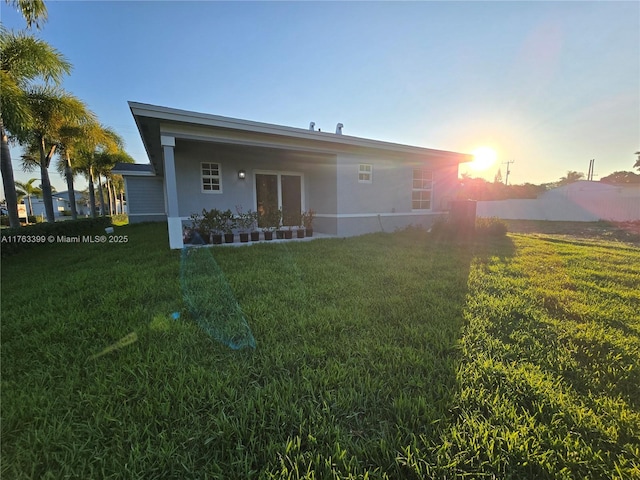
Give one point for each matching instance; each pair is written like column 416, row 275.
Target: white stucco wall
column 579, row 202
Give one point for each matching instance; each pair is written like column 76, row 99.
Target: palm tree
column 106, row 162
column 23, row 60
column 73, row 139
column 94, row 160
column 637, row 164
column 34, row 11
column 28, row 190
column 51, row 109
column 570, row 177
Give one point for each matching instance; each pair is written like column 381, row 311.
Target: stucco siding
column 350, row 226
column 388, row 192
column 321, row 187
column 317, row 173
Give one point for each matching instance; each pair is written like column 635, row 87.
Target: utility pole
column 506, row 177
column 590, row 174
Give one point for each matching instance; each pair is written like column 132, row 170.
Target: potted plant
column 212, row 223
column 298, row 219
column 199, row 231
column 277, row 220
column 228, row 223
column 253, row 225
column 243, row 221
column 307, row 221
column 271, row 221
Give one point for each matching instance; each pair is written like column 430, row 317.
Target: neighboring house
column 582, row 201
column 355, row 185
column 60, row 204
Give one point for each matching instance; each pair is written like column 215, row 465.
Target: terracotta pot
column 300, row 233
column 216, row 238
column 255, row 236
column 279, row 234
column 268, row 235
column 244, row 237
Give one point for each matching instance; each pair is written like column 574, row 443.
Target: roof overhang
column 155, row 121
column 134, row 169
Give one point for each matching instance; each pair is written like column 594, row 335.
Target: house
column 581, row 201
column 355, row 185
column 61, row 204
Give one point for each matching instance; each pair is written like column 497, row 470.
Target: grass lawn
column 383, row 356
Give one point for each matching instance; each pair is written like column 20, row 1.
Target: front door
column 279, row 190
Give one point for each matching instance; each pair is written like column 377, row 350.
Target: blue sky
column 550, row 85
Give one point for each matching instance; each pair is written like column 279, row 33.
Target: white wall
column 579, row 202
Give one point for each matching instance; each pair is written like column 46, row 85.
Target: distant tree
column 621, row 177
column 28, row 190
column 498, row 177
column 570, row 177
column 637, row 164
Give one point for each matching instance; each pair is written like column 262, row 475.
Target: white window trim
column 430, row 190
column 219, row 177
column 362, row 171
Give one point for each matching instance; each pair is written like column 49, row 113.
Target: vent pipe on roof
column 311, row 126
column 339, row 129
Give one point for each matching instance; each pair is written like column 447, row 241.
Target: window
column 211, row 180
column 421, row 193
column 365, row 173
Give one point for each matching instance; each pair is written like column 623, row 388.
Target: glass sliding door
column 266, row 196
column 279, row 190
column 291, row 199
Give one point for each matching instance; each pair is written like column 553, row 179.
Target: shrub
column 444, row 229
column 490, row 227
column 70, row 228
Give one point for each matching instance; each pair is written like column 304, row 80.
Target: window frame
column 210, row 176
column 419, row 185
column 362, row 172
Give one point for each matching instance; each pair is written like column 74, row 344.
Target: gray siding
column 145, row 199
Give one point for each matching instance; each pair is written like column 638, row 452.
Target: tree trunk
column 72, row 194
column 92, row 194
column 121, row 202
column 8, row 181
column 107, row 183
column 30, row 208
column 101, row 195
column 46, row 183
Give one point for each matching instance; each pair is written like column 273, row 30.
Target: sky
column 547, row 85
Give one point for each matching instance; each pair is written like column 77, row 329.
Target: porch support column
column 171, row 192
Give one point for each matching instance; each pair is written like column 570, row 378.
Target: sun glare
column 483, row 158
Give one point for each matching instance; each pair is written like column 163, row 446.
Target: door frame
column 279, row 174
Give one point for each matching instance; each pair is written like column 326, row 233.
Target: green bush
column 4, row 220
column 16, row 240
column 490, row 227
column 444, row 229
column 120, row 219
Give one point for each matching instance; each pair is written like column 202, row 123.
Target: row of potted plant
column 214, row 226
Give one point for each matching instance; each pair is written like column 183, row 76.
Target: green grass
column 383, row 356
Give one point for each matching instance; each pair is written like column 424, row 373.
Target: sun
column 483, row 158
